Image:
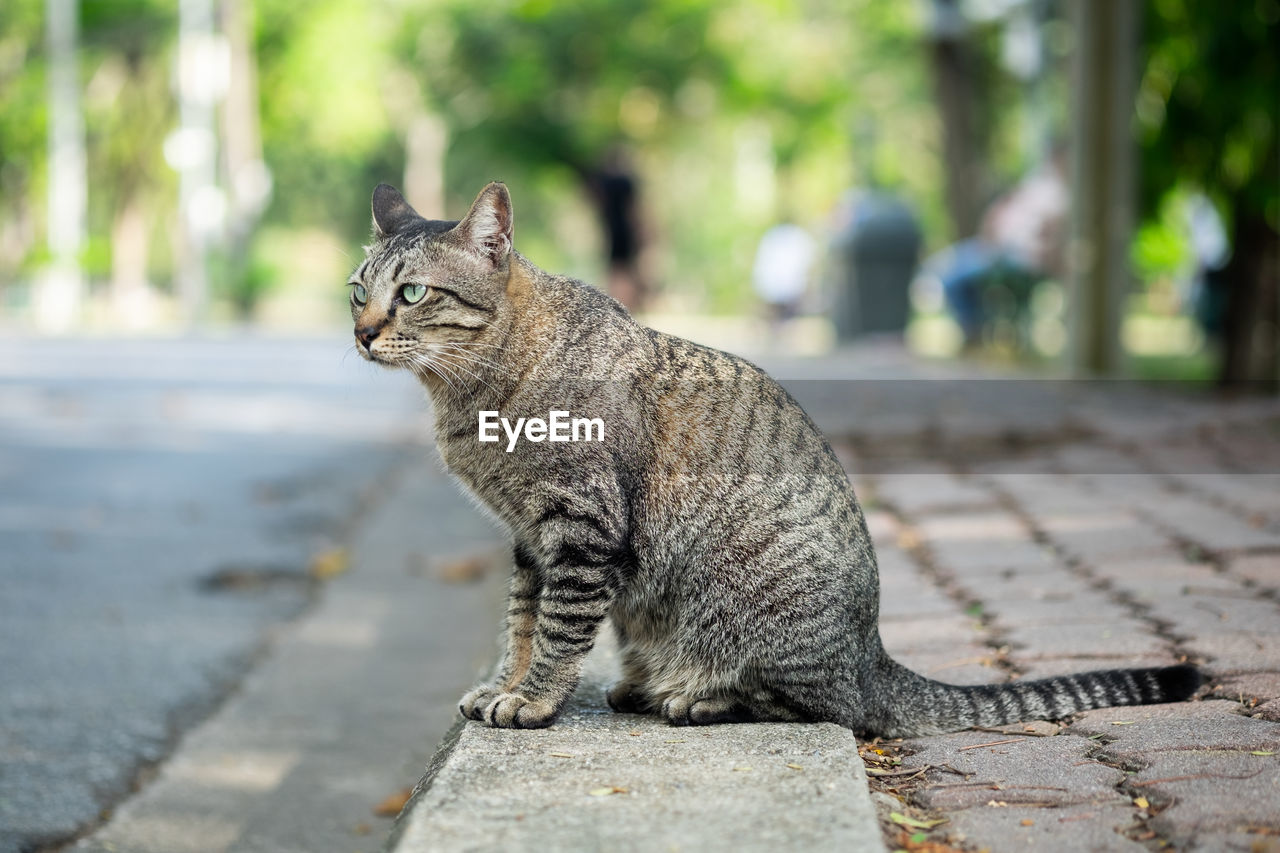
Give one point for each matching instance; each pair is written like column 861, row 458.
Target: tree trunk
column 1251, row 347
column 954, row 90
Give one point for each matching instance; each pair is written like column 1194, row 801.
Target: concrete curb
column 599, row 780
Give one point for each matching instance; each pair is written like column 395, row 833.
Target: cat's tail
column 913, row 705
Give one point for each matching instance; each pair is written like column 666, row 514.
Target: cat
column 713, row 525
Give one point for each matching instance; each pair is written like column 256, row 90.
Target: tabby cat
column 713, row 525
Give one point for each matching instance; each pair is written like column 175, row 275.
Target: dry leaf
column 392, row 805
column 560, row 754
column 1026, row 821
column 604, row 792
column 634, row 734
column 742, row 769
column 795, row 766
column 328, row 564
column 1123, row 722
column 1141, row 802
column 464, row 569
column 915, row 823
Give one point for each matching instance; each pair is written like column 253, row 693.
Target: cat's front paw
column 513, row 711
column 473, row 704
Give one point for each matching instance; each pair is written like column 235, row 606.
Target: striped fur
column 713, row 527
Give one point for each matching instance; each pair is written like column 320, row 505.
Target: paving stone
column 895, row 562
column 1018, row 829
column 1135, row 733
column 961, row 664
column 912, row 604
column 1126, row 638
column 915, row 494
column 1086, row 607
column 1208, row 526
column 1209, row 791
column 1253, row 493
column 1268, row 711
column 1261, row 569
column 1102, row 537
column 1202, row 615
column 1045, row 770
column 928, row 634
column 1058, row 587
column 1094, row 459
column 1236, row 652
column 973, row 526
column 1253, row 687
column 1164, row 573
column 982, row 560
column 883, row 527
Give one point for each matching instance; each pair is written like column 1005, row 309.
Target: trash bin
column 875, row 259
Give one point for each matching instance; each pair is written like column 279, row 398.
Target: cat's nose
column 367, row 334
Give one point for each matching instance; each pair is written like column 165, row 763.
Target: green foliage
column 1207, row 103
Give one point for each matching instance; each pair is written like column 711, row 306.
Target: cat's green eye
column 359, row 294
column 413, row 292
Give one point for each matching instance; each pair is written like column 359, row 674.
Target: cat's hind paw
column 513, row 711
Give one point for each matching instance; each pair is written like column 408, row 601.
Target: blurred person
column 615, row 190
column 1210, row 252
column 1021, row 242
column 780, row 275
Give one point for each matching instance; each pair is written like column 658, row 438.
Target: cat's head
column 428, row 292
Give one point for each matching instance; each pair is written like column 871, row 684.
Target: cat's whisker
column 474, row 359
column 426, row 363
column 474, row 376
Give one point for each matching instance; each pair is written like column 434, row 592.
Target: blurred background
column 1089, row 184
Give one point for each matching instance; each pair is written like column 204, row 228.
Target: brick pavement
column 1096, row 551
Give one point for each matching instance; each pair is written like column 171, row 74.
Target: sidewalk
column 1127, row 535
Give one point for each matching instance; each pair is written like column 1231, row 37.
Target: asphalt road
column 160, row 505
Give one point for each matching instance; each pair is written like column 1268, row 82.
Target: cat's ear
column 487, row 227
column 390, row 211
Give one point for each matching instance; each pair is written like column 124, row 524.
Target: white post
column 61, row 288
column 202, row 79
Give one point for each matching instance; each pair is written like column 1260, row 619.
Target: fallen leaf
column 464, row 569
column 795, row 766
column 1026, row 821
column 328, row 564
column 1123, row 722
column 634, row 734
column 742, row 769
column 393, row 804
column 1141, row 802
column 560, row 754
column 604, row 792
column 915, row 823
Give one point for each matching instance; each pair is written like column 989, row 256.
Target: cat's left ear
column 390, row 211
column 487, row 227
